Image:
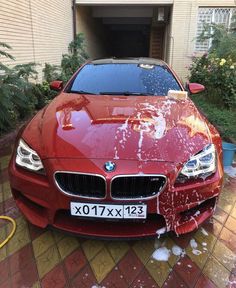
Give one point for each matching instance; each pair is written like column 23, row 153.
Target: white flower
column 222, row 62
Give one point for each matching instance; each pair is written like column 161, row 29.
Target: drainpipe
column 74, row 18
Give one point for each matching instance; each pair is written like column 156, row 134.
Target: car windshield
column 124, row 79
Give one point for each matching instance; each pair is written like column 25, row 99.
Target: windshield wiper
column 81, row 92
column 126, row 93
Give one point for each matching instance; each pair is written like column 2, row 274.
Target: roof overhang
column 124, row 2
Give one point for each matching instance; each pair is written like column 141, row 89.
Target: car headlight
column 201, row 165
column 28, row 158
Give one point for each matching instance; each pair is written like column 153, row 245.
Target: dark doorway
column 157, row 42
column 129, row 40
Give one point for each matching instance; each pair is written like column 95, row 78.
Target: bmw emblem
column 110, row 166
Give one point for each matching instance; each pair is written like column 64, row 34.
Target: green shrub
column 224, row 119
column 74, row 59
column 19, row 96
column 51, row 72
column 43, row 94
column 219, row 77
column 27, row 73
column 4, row 53
column 69, row 63
column 16, row 97
column 217, row 69
column 223, row 40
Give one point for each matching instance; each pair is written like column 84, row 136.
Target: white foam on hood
column 160, row 126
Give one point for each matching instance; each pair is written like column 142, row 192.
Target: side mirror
column 56, row 85
column 195, row 88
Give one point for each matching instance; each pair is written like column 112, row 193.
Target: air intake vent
column 84, row 185
column 137, row 187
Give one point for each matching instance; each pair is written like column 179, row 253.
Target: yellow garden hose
column 13, row 222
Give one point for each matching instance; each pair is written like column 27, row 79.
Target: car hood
column 143, row 128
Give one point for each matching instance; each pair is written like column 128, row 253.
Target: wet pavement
column 45, row 258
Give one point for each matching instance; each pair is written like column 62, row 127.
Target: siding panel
column 38, row 31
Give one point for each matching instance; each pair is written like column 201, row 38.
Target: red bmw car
column 121, row 152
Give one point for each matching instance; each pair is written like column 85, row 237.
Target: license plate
column 108, row 211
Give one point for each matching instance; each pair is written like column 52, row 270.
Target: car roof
column 141, row 60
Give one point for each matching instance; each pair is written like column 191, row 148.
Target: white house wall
column 38, row 31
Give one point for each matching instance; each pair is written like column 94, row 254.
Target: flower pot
column 228, row 153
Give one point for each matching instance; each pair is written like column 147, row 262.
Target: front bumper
column 179, row 208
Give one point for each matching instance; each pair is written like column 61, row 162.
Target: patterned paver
column 45, row 258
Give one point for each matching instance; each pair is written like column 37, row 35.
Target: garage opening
column 129, row 40
column 125, row 31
